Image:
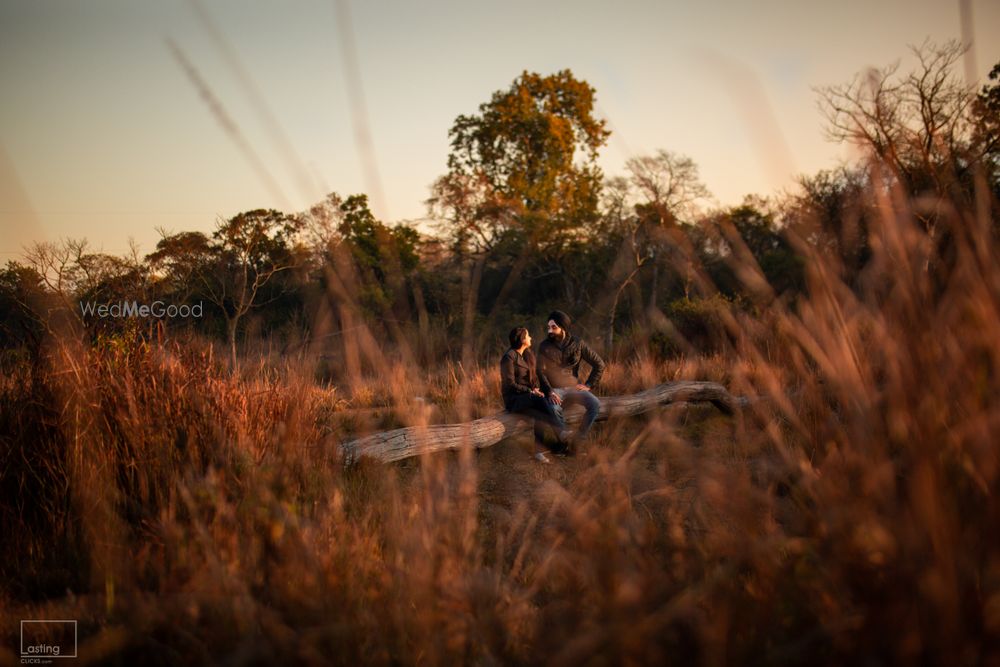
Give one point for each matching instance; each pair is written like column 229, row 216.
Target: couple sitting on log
column 542, row 388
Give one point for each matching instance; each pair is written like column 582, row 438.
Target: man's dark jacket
column 559, row 363
column 517, row 376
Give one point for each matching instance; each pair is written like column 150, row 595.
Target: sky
column 120, row 118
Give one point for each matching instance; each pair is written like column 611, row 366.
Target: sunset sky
column 105, row 134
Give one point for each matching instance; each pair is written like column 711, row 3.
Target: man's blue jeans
column 542, row 411
column 591, row 405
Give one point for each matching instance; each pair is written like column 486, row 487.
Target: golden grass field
column 186, row 514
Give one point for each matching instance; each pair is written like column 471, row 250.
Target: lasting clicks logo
column 42, row 641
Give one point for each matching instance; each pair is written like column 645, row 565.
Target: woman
column 519, row 387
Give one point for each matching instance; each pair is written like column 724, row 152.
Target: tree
column 72, row 275
column 21, row 294
column 104, row 277
column 525, row 165
column 831, row 215
column 235, row 268
column 466, row 213
column 639, row 213
column 252, row 248
column 379, row 251
column 669, row 182
column 181, row 261
column 384, row 256
column 745, row 253
column 918, row 124
column 366, row 269
column 671, row 192
column 986, row 131
column 58, row 264
column 931, row 138
column 774, row 256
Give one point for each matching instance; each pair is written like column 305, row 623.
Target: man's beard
column 557, row 337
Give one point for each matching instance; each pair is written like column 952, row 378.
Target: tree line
column 526, row 221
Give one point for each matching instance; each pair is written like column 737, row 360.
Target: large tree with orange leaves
column 523, row 171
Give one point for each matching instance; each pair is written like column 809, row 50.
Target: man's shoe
column 542, row 458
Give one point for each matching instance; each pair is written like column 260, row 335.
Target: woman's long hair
column 517, row 337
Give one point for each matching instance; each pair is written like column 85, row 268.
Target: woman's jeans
column 542, row 411
column 591, row 405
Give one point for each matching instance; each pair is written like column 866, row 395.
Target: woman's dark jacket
column 517, row 376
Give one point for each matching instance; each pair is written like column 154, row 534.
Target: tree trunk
column 231, row 323
column 610, row 335
column 403, row 443
column 654, row 284
column 614, row 305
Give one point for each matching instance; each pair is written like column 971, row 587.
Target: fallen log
column 403, row 443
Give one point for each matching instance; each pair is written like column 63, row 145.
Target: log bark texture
column 404, row 443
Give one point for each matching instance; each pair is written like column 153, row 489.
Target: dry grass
column 189, row 516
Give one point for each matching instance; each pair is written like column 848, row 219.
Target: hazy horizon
column 106, row 136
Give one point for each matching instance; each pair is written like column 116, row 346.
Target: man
column 558, row 368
